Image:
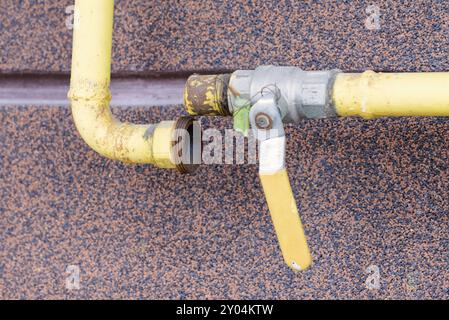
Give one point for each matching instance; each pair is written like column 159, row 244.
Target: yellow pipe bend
column 90, row 95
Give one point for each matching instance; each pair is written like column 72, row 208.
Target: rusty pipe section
column 206, row 95
column 90, row 96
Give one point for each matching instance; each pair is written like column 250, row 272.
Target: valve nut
column 263, row 121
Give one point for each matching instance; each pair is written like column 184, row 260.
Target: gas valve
column 269, row 96
column 263, row 99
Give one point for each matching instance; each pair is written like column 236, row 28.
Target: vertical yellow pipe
column 371, row 94
column 92, row 43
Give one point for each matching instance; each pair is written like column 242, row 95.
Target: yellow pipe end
column 163, row 145
column 177, row 144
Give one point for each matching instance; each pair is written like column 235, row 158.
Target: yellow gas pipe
column 370, row 94
column 90, row 96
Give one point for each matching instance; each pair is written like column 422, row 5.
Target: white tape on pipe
column 272, row 155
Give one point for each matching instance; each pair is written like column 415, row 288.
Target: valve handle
column 267, row 124
column 286, row 220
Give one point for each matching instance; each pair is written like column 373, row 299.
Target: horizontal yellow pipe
column 371, row 94
column 90, row 95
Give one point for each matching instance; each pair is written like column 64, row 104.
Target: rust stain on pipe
column 206, row 95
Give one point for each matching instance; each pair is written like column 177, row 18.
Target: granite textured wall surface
column 370, row 193
column 161, row 36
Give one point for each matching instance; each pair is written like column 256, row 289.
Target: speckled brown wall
column 192, row 35
column 369, row 192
